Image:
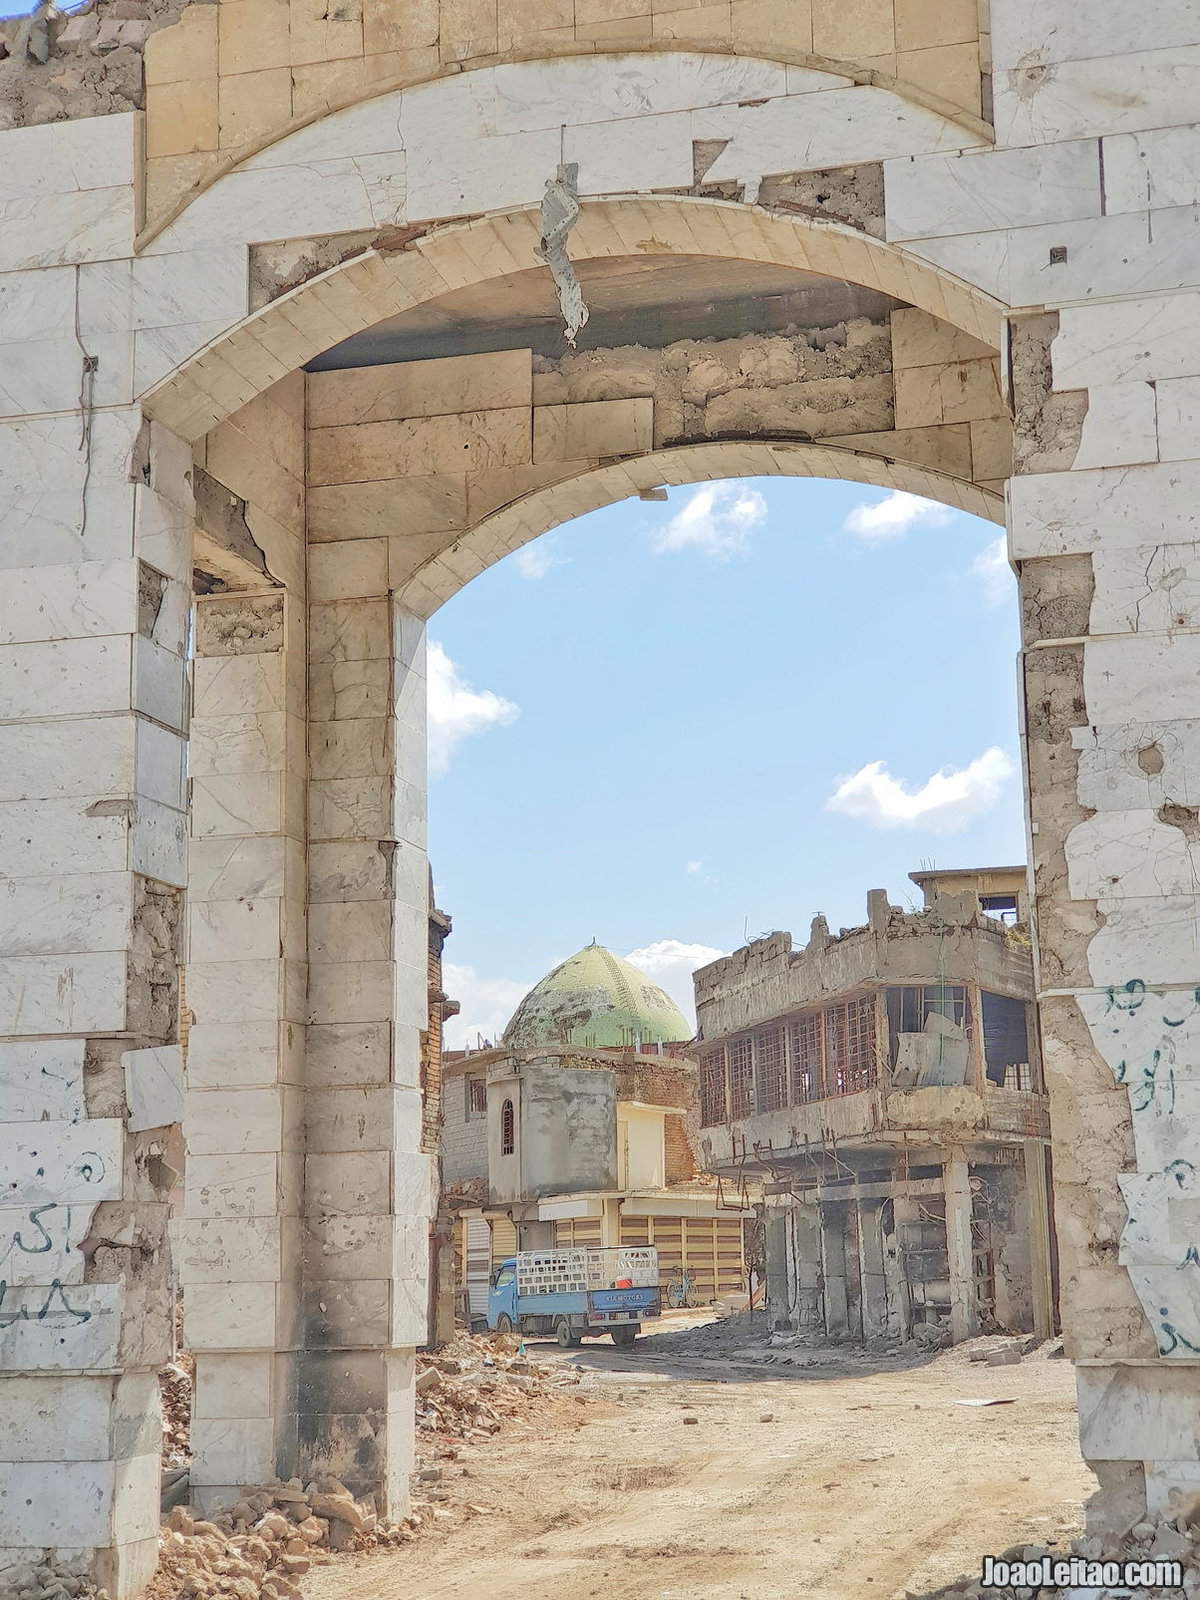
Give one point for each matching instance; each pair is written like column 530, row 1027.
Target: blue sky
column 675, row 726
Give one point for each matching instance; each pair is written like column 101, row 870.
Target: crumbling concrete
column 85, row 63
column 809, row 383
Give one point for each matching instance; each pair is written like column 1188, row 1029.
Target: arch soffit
column 442, row 576
column 975, row 129
column 292, row 330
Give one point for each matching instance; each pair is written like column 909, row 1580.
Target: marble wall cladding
column 238, row 1240
column 488, row 139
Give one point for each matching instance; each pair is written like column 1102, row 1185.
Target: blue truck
column 576, row 1293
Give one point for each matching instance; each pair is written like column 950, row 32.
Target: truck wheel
column 566, row 1336
column 504, row 1323
column 623, row 1337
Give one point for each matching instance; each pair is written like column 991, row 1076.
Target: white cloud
column 894, row 516
column 694, row 866
column 486, row 1006
column 716, row 519
column 536, row 559
column 991, row 567
column 456, row 711
column 671, row 963
column 944, row 803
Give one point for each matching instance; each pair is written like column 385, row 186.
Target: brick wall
column 464, row 1139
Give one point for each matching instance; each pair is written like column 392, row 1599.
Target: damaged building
column 581, row 1128
column 885, row 1085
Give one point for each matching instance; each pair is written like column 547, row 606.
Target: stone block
column 1102, row 95
column 243, row 1055
column 236, row 1450
column 1137, row 1413
column 232, row 1121
column 234, row 1386
column 351, row 1315
column 49, row 1332
column 341, row 1247
column 351, row 991
column 238, row 685
column 350, row 569
column 922, row 24
column 63, row 915
column 182, row 118
column 55, row 1419
column 415, row 507
column 1178, row 418
column 41, row 1079
column 1155, row 169
column 973, row 192
column 468, row 441
column 350, row 871
column 229, row 1250
column 356, row 1118
column 1063, row 513
column 229, row 1317
column 66, row 677
column 350, row 630
column 358, row 748
column 352, row 1184
column 349, row 1054
column 356, row 931
column 153, row 1087
column 241, row 1185
column 252, row 106
column 442, row 387
column 1142, row 339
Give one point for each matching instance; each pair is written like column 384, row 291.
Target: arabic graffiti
column 55, row 1308
column 1150, row 1038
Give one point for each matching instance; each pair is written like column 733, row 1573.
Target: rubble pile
column 260, row 1547
column 49, row 1581
column 175, row 1387
column 467, row 1390
column 1172, row 1537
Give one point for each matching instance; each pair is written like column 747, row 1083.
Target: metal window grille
column 772, row 1070
column 508, row 1129
column 850, row 1046
column 860, row 1043
column 806, row 1058
column 712, row 1088
column 477, row 1097
column 741, row 1078
column 835, row 1050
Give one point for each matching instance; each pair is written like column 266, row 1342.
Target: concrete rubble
column 1174, row 1537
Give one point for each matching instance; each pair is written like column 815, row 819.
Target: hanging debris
column 560, row 212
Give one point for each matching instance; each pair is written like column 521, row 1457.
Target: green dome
column 596, row 1001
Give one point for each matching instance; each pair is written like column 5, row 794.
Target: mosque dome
column 596, row 1001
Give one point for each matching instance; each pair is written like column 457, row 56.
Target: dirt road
column 832, row 1484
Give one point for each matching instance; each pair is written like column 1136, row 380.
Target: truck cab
column 502, row 1298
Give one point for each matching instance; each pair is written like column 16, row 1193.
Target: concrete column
column 96, row 559
column 871, row 1271
column 964, row 1311
column 239, row 1240
column 804, row 1265
column 1037, row 1204
column 368, row 1186
column 833, row 1269
column 906, row 1215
